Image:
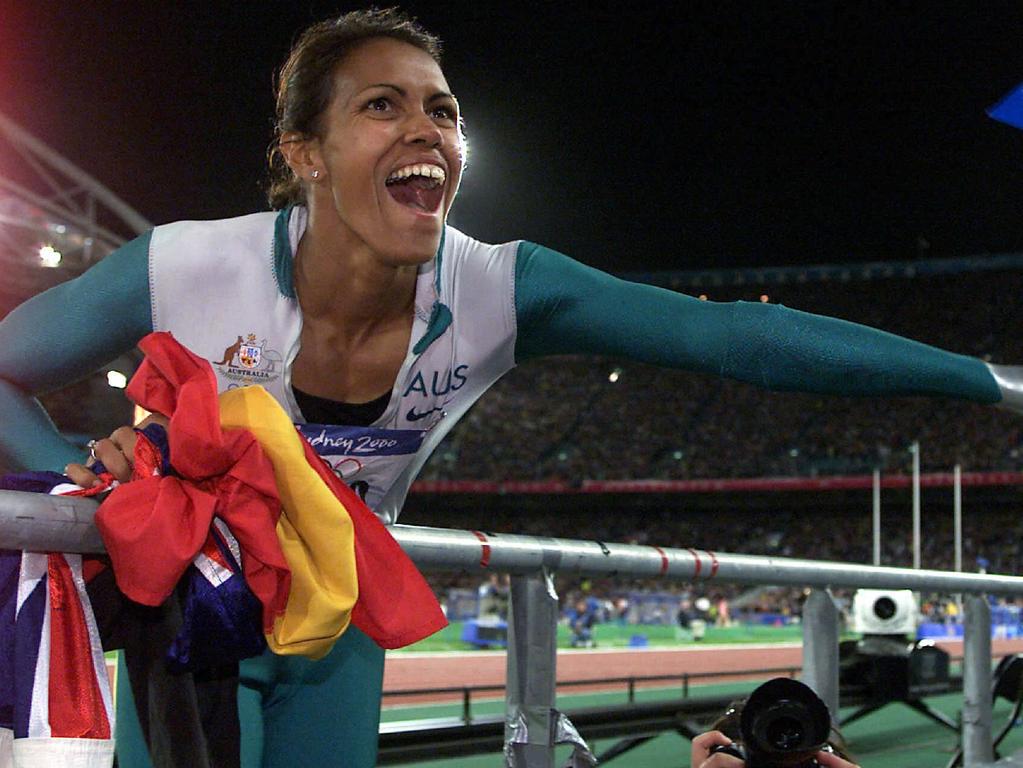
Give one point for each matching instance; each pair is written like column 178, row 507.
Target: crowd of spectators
column 565, row 419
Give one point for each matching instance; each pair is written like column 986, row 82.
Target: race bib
column 368, row 460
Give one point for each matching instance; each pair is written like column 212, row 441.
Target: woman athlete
column 376, row 326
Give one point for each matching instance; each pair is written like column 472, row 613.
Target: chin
column 414, row 248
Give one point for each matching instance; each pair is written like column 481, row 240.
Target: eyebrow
column 402, row 92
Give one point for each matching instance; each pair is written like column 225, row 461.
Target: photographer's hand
column 831, row 760
column 701, row 757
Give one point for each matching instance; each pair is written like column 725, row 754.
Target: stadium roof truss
column 52, row 214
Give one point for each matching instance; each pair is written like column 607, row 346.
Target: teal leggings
column 294, row 712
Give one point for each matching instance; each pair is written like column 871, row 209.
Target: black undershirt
column 321, row 410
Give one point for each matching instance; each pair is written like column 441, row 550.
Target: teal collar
column 284, row 271
column 284, row 275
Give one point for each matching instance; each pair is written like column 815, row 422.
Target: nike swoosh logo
column 413, row 416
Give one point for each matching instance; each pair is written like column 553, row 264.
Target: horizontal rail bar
column 790, row 670
column 437, row 549
column 37, row 522
column 64, row 524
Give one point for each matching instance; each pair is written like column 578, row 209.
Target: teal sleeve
column 563, row 306
column 60, row 336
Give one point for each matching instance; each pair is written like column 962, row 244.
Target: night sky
column 629, row 135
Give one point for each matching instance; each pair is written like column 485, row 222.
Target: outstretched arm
column 563, row 306
column 60, row 336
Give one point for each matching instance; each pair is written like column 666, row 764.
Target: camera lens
column 884, row 608
column 785, row 733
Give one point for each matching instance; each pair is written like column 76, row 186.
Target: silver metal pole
column 820, row 648
column 915, row 449
column 957, row 515
column 36, row 521
column 977, row 682
column 877, row 517
column 530, row 716
column 438, row 549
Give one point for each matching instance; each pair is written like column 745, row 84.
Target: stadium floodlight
column 50, row 256
column 117, row 379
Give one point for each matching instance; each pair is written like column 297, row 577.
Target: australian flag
column 55, row 695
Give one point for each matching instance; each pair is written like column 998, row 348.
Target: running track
column 405, row 671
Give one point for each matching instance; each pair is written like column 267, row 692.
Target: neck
column 340, row 280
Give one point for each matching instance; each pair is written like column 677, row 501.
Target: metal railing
column 533, row 724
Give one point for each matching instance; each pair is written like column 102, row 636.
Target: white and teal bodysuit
column 225, row 290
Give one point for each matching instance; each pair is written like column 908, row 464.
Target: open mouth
column 419, row 186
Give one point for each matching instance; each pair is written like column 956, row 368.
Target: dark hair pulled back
column 306, row 81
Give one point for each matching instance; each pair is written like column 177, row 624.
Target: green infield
column 893, row 737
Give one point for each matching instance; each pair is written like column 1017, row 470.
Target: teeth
column 418, row 169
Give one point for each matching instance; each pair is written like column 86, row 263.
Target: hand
column 831, row 760
column 1010, row 381
column 116, row 452
column 701, row 757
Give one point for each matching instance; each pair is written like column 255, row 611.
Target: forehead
column 385, row 60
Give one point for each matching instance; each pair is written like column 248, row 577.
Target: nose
column 422, row 130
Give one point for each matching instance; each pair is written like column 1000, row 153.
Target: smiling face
column 389, row 152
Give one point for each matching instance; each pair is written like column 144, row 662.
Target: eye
column 444, row 113
column 379, row 104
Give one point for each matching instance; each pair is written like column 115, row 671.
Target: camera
column 783, row 724
column 885, row 612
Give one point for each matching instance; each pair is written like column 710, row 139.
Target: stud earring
column 315, row 175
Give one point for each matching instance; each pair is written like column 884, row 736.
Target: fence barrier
column 533, row 725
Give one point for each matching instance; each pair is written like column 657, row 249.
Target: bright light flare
column 614, row 375
column 117, row 379
column 49, row 256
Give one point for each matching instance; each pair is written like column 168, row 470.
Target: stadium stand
column 568, row 420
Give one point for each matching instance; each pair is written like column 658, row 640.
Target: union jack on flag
column 56, row 706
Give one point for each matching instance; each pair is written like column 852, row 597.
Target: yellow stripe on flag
column 315, row 530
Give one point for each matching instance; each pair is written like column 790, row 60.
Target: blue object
column 1010, row 109
column 486, row 633
column 639, row 641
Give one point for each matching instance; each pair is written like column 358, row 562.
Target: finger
column 114, row 459
column 79, row 474
column 704, row 743
column 831, row 760
column 153, row 418
column 125, row 439
column 722, row 761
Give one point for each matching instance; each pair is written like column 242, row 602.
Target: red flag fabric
column 153, row 527
column 225, row 472
column 396, row 607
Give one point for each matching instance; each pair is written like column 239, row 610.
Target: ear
column 301, row 153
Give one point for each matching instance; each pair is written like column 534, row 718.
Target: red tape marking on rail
column 485, row 555
column 664, row 561
column 696, row 558
column 713, row 564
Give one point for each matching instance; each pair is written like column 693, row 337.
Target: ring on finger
column 91, row 445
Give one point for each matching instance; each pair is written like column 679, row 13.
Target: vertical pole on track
column 915, row 450
column 877, row 516
column 957, row 515
column 820, row 648
column 977, row 682
column 530, row 716
column 957, row 526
